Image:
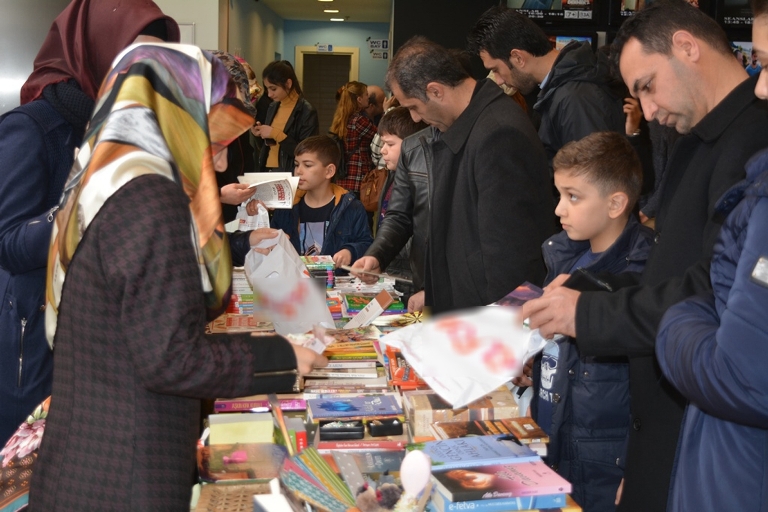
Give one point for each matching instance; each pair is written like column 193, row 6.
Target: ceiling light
column 331, row 10
column 325, row 0
column 337, row 19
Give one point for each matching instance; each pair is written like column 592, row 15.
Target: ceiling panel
column 377, row 11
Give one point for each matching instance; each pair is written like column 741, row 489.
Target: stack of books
column 355, row 302
column 367, row 422
column 524, row 429
column 320, row 267
column 241, row 302
column 425, row 407
column 492, row 473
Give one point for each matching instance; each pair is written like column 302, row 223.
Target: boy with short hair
column 325, row 218
column 583, row 402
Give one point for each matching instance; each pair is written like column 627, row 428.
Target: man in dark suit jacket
column 677, row 61
column 490, row 203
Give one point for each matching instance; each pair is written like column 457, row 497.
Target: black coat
column 491, row 206
column 302, row 123
column 579, row 97
column 408, row 208
column 704, row 164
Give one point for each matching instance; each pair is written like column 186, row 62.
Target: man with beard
column 678, row 63
column 578, row 95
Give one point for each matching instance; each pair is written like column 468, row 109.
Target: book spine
column 341, row 375
column 351, row 364
column 386, row 445
column 443, row 504
column 245, row 405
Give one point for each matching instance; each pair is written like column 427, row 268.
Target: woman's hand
column 306, row 359
column 235, row 193
column 252, row 207
column 265, row 132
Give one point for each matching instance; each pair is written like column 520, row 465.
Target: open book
column 274, row 189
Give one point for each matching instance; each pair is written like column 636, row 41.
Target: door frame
column 352, row 51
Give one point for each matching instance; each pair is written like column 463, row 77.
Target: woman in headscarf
column 37, row 143
column 138, row 262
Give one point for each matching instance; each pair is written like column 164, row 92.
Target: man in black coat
column 491, row 207
column 578, row 94
column 677, row 61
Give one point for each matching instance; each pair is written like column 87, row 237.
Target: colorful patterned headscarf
column 239, row 75
column 163, row 109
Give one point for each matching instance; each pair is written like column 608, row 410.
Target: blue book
column 357, row 407
column 441, row 503
column 465, row 452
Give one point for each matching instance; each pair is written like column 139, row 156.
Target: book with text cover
column 532, row 478
column 259, row 403
column 545, row 503
column 475, row 451
column 455, row 429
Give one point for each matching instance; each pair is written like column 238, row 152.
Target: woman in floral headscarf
column 139, row 256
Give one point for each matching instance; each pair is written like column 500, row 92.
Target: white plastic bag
column 294, row 302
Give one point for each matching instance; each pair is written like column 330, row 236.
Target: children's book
column 311, row 478
column 533, row 478
column 520, row 295
column 547, row 502
column 355, row 407
column 475, row 451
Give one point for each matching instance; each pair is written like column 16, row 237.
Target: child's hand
column 343, row 257
column 235, row 193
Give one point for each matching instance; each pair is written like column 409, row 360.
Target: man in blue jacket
column 713, row 349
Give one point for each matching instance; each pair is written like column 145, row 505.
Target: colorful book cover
column 400, row 371
column 475, row 451
column 532, row 478
column 254, row 462
column 323, row 472
column 361, row 406
column 305, row 486
column 520, row 295
column 549, row 502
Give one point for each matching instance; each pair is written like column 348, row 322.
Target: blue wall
column 310, row 33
